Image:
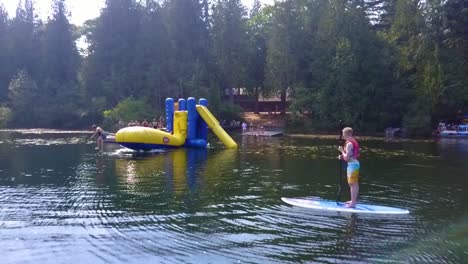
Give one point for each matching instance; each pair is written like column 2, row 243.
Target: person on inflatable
column 350, row 154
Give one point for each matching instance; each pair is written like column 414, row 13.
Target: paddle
column 340, row 175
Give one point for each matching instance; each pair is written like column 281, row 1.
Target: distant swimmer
column 100, row 135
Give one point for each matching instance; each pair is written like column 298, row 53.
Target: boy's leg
column 353, row 181
column 354, row 189
column 100, row 144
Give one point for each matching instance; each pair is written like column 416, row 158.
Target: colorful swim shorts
column 353, row 172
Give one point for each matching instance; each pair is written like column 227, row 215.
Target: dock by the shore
column 263, row 133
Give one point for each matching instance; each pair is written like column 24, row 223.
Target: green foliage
column 188, row 59
column 4, row 54
column 127, row 110
column 336, row 88
column 455, row 14
column 59, row 83
column 230, row 37
column 150, row 72
column 23, row 93
column 418, row 123
column 372, row 64
column 5, row 116
column 299, row 123
column 61, row 58
column 228, row 112
column 112, row 44
column 24, row 38
column 284, row 49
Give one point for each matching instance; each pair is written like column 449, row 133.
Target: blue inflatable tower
column 197, row 129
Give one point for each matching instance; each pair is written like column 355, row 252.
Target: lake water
column 63, row 202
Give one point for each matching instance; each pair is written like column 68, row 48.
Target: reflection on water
column 65, row 202
column 178, row 167
column 459, row 145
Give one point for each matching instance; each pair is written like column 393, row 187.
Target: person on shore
column 244, row 127
column 145, row 123
column 120, row 125
column 161, row 122
column 100, row 136
column 350, row 154
column 262, row 130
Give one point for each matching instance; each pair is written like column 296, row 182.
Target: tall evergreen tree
column 285, row 47
column 24, row 40
column 61, row 55
column 346, row 70
column 151, row 61
column 446, row 70
column 456, row 27
column 60, row 66
column 258, row 26
column 381, row 13
column 409, row 35
column 206, row 13
column 230, row 43
column 4, row 54
column 24, row 93
column 111, row 49
column 188, row 33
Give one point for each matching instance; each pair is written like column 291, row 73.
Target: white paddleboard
column 326, row 205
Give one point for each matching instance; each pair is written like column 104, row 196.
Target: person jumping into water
column 350, row 154
column 100, row 136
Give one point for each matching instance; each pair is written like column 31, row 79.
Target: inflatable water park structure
column 186, row 126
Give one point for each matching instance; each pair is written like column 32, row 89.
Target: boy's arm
column 94, row 134
column 347, row 151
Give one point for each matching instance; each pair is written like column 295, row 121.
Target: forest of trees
column 370, row 63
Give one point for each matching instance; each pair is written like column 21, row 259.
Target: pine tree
column 188, row 33
column 62, row 58
column 59, row 69
column 456, row 27
column 111, row 50
column 150, row 65
column 24, row 93
column 230, row 43
column 258, row 26
column 284, row 49
column 24, row 40
column 5, row 67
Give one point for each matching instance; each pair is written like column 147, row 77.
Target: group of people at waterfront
column 449, row 126
column 155, row 123
column 251, row 128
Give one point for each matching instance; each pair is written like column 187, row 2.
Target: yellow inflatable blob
column 146, row 135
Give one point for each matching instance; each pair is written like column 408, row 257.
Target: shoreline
column 365, row 137
column 291, row 135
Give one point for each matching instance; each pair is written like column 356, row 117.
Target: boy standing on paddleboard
column 350, row 154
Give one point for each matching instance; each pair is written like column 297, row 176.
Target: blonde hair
column 347, row 131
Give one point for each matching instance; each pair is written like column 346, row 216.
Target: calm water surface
column 62, row 202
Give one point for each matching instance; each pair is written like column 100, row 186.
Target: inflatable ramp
column 214, row 125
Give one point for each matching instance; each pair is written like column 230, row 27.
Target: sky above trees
column 82, row 10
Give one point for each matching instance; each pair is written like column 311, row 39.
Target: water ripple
column 62, row 202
